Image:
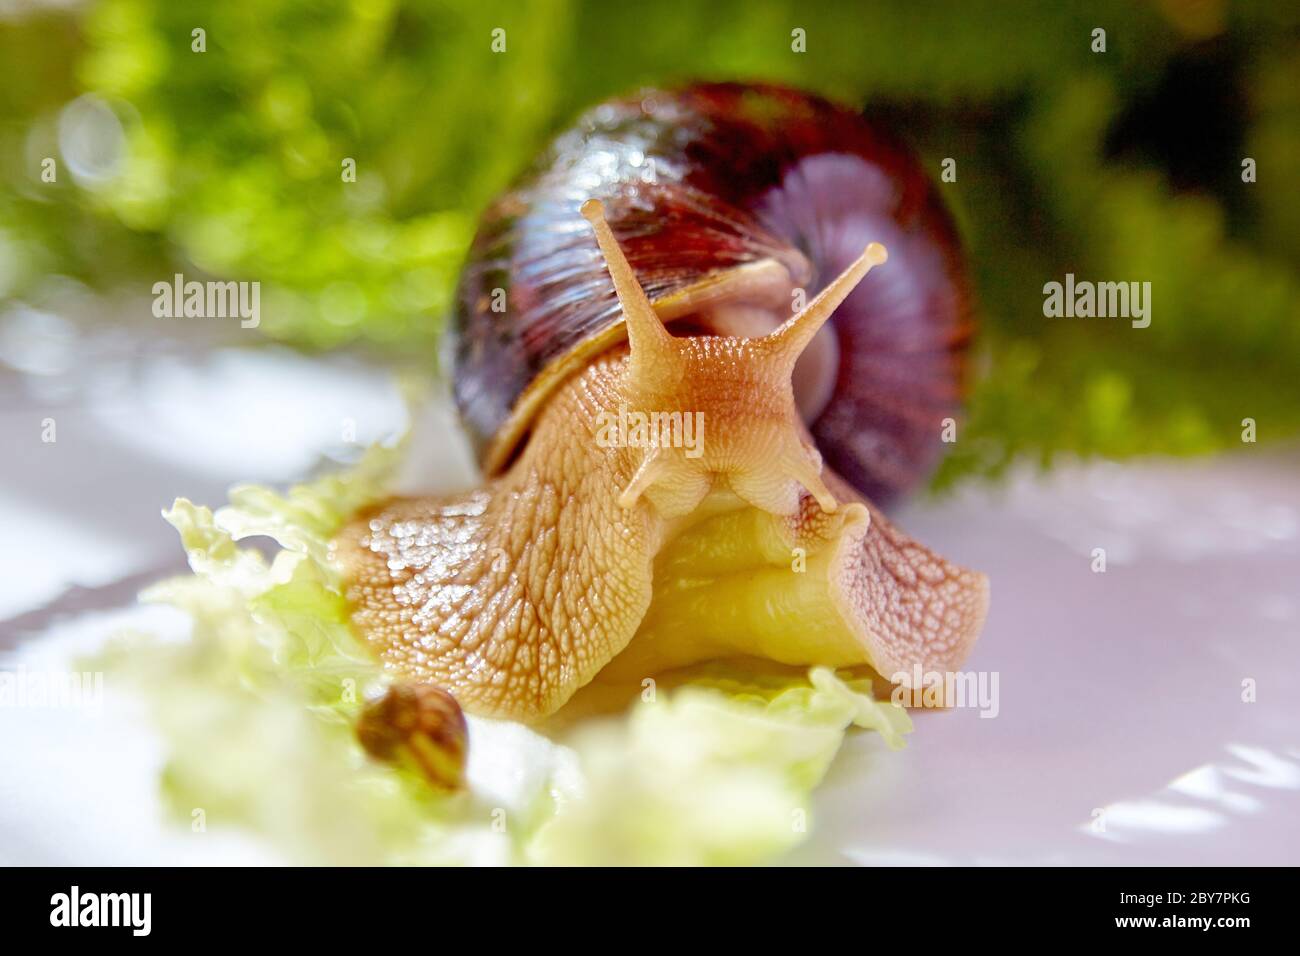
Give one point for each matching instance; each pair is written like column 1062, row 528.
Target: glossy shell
column 697, row 182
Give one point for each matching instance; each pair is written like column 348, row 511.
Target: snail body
column 595, row 553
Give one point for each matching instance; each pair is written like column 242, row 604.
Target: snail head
column 733, row 395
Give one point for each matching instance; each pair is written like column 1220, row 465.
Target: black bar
column 211, row 906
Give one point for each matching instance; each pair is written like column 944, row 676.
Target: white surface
column 1122, row 736
column 1120, row 694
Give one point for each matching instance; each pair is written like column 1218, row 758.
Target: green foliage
column 233, row 167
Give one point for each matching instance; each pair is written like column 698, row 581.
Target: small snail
column 419, row 726
column 659, row 498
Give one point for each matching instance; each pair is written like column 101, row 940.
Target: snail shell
column 757, row 191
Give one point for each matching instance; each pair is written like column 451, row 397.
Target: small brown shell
column 698, row 182
column 419, row 726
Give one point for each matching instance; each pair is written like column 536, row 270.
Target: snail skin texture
column 590, row 563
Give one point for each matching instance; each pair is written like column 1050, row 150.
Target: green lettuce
column 257, row 706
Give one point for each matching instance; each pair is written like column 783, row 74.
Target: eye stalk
column 741, row 386
column 650, row 344
column 789, row 340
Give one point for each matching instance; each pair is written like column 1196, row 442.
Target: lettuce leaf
column 256, row 710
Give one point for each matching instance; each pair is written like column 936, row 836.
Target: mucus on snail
column 656, row 260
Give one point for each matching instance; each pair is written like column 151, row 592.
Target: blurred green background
column 1123, row 165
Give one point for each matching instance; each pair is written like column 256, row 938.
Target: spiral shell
column 699, row 183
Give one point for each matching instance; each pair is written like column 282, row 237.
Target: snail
column 683, row 447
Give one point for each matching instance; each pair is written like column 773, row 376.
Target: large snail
column 659, row 498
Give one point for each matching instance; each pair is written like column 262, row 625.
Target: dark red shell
column 708, row 178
